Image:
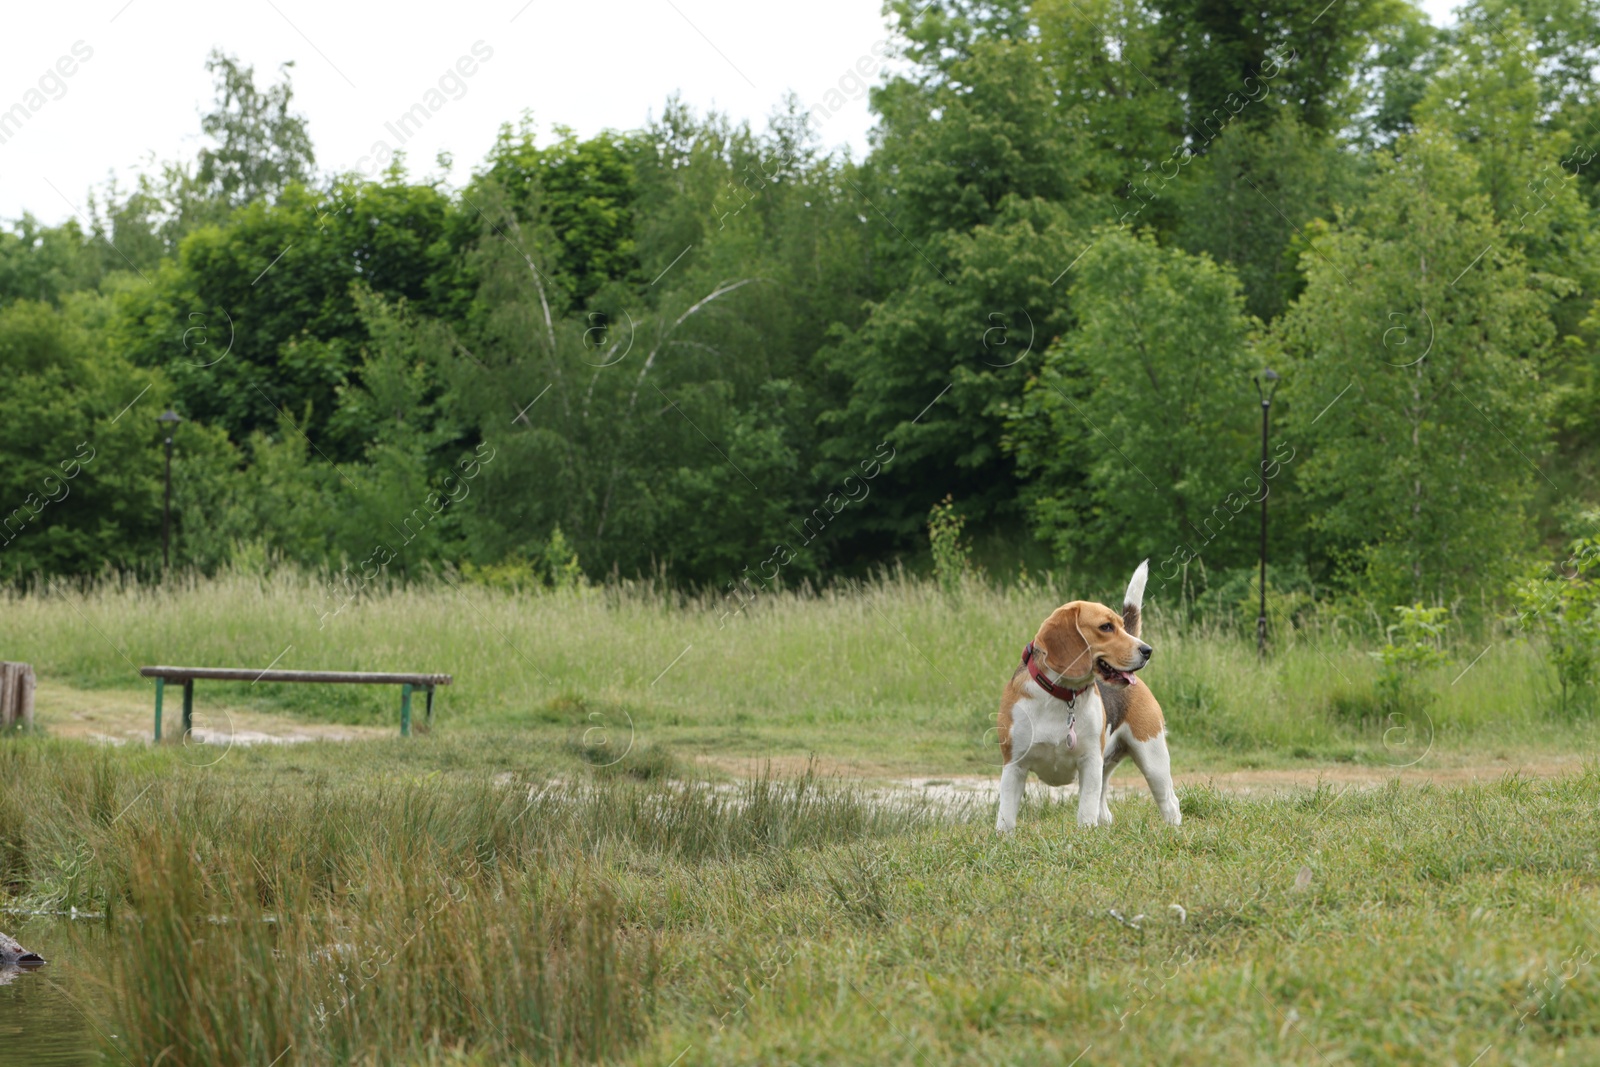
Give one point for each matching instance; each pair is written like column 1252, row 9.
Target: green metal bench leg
column 405, row 710
column 188, row 707
column 160, row 685
column 429, row 716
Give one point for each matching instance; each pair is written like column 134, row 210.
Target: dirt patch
column 1438, row 768
column 118, row 717
column 1541, row 766
column 955, row 788
column 794, row 766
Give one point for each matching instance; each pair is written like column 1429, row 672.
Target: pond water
column 42, row 1012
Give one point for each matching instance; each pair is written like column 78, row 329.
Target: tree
column 1246, row 202
column 631, row 435
column 1414, row 389
column 1226, row 46
column 584, row 190
column 1006, row 100
column 45, row 263
column 1392, row 78
column 933, row 367
column 79, row 461
column 1136, row 433
column 1488, row 95
column 257, row 317
column 261, row 148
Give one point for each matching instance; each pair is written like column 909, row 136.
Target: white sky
column 358, row 66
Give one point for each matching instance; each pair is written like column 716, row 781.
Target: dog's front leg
column 1012, row 778
column 1090, row 777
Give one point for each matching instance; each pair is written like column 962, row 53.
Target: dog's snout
column 1146, row 651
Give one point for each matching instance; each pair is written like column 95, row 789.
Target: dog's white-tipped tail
column 1135, row 595
column 1133, row 600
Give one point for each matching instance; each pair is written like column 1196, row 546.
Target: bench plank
column 235, row 674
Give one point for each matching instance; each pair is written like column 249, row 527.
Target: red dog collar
column 1060, row 692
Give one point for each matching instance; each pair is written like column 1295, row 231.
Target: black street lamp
column 170, row 420
column 1271, row 378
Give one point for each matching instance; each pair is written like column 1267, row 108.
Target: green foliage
column 1416, row 640
column 1137, row 431
column 1233, row 597
column 934, row 366
column 261, row 148
column 972, row 126
column 45, row 263
column 952, row 557
column 561, row 562
column 80, row 462
column 584, row 191
column 1246, row 200
column 1395, row 76
column 631, row 433
column 1222, row 45
column 259, row 317
column 555, row 566
column 1564, row 608
column 1413, row 386
column 724, row 355
column 1415, row 643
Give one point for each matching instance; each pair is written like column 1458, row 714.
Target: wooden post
column 16, row 695
column 25, row 702
column 161, row 684
column 405, row 710
column 188, row 709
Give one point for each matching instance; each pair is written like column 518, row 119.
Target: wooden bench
column 188, row 676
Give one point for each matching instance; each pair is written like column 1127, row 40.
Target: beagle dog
column 1073, row 709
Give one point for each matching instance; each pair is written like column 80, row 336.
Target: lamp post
column 168, row 419
column 1271, row 378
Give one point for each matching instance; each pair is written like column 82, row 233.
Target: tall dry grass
column 369, row 916
column 797, row 672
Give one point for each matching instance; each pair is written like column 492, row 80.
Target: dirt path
column 1128, row 779
column 118, row 717
column 1452, row 769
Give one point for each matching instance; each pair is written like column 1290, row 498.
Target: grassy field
column 569, row 868
column 790, row 675
column 441, row 902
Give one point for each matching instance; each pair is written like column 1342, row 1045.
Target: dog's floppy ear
column 1063, row 644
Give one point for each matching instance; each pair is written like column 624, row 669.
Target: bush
column 554, row 566
column 1563, row 604
column 1234, row 597
column 1415, row 643
column 952, row 557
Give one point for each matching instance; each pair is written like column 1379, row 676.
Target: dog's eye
column 1106, row 627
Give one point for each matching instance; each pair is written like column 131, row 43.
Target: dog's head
column 1084, row 640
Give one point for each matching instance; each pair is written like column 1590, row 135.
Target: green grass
column 555, row 875
column 792, row 675
column 444, row 901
